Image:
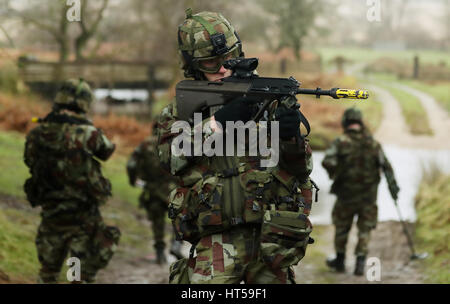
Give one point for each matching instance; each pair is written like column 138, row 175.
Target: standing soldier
column 144, row 165
column 246, row 222
column 353, row 162
column 66, row 181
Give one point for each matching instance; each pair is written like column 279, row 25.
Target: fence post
column 416, row 67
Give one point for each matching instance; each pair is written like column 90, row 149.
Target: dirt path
column 393, row 129
column 388, row 244
column 137, row 266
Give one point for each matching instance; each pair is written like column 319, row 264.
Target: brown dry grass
column 125, row 131
column 16, row 113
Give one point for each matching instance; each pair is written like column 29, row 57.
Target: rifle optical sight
column 241, row 67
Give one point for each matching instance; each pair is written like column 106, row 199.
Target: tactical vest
column 358, row 164
column 232, row 191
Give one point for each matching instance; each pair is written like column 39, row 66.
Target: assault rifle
column 196, row 96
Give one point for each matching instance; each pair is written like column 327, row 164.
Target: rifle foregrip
column 346, row 93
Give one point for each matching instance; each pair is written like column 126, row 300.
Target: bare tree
column 295, row 18
column 50, row 19
column 87, row 32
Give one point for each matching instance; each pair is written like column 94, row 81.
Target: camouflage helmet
column 74, row 95
column 352, row 115
column 205, row 40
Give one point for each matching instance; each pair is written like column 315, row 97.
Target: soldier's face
column 222, row 73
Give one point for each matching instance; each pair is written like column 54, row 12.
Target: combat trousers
column 234, row 256
column 343, row 215
column 83, row 236
column 156, row 214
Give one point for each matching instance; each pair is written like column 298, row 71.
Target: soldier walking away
column 353, row 162
column 144, row 166
column 63, row 154
column 245, row 222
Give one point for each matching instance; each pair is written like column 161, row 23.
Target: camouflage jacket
column 144, row 164
column 354, row 161
column 218, row 192
column 62, row 154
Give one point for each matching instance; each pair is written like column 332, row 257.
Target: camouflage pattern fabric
column 87, row 238
column 219, row 193
column 67, row 182
column 354, row 161
column 194, row 39
column 343, row 215
column 62, row 157
column 234, row 256
column 75, row 95
column 144, row 164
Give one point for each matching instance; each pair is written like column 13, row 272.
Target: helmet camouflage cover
column 352, row 115
column 75, row 95
column 205, row 36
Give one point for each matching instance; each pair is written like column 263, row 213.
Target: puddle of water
column 408, row 167
column 125, row 94
column 122, row 94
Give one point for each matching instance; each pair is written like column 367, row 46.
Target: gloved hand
column 394, row 189
column 289, row 120
column 239, row 109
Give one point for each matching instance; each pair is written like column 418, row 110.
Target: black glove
column 394, row 190
column 240, row 109
column 289, row 120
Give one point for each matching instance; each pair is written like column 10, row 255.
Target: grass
column 18, row 257
column 440, row 91
column 11, row 162
column 432, row 227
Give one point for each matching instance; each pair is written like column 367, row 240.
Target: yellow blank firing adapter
column 355, row 94
column 35, row 119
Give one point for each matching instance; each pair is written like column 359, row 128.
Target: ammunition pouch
column 202, row 209
column 284, row 238
column 286, row 228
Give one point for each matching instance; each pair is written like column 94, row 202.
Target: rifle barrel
column 336, row 93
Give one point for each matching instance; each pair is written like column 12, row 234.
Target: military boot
column 175, row 249
column 338, row 263
column 360, row 263
column 160, row 255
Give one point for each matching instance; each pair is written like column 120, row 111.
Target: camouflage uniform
column 354, row 161
column 246, row 222
column 66, row 181
column 144, row 164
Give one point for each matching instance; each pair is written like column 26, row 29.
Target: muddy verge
column 388, row 244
